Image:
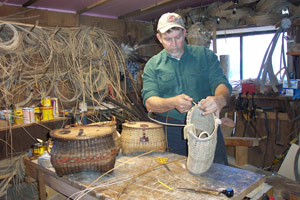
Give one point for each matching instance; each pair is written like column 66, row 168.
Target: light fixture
column 218, row 20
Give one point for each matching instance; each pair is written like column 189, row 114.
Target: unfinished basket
column 201, row 132
column 142, row 137
column 83, row 148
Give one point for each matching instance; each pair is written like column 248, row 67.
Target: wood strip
column 149, row 9
column 94, row 5
column 241, row 141
column 28, row 3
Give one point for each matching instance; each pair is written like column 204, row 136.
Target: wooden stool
column 241, row 145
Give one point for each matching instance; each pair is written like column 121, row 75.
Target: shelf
column 26, row 125
column 293, row 53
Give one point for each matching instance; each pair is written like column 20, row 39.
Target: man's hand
column 183, row 103
column 180, row 102
column 212, row 104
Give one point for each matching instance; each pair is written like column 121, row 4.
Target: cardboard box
column 295, row 84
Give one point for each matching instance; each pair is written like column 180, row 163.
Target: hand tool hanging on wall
column 278, row 135
column 265, row 109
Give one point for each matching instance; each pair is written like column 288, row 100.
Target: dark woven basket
column 83, row 148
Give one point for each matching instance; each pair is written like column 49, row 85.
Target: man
column 180, row 75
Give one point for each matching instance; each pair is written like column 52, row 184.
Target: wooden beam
column 94, row 5
column 28, row 3
column 241, row 141
column 150, row 8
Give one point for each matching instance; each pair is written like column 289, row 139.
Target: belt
column 166, row 118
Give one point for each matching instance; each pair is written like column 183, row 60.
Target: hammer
column 227, row 192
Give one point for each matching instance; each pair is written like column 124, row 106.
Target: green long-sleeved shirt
column 196, row 74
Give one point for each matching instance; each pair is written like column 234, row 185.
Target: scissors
column 163, row 161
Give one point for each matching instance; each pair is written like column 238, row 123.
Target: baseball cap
column 169, row 20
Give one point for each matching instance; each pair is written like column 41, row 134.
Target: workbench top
column 138, row 178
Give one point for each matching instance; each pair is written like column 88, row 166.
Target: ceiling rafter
column 28, row 3
column 149, row 9
column 94, row 5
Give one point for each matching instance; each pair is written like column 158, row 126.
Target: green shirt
column 196, row 74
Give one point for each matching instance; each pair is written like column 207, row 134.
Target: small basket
column 201, row 132
column 142, row 137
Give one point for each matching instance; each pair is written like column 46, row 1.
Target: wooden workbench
column 132, row 179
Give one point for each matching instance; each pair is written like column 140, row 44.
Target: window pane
column 254, row 49
column 231, row 46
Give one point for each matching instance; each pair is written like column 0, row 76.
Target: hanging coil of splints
column 37, row 62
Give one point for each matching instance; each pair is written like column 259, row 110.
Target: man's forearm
column 159, row 105
column 222, row 93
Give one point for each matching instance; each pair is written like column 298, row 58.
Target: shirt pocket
column 167, row 83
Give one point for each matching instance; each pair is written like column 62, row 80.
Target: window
column 246, row 52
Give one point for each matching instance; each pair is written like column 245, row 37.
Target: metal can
column 28, row 115
column 47, row 113
column 37, row 114
column 46, row 101
column 18, row 116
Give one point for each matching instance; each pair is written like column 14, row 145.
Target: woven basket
column 116, row 134
column 201, row 132
column 83, row 148
column 142, row 137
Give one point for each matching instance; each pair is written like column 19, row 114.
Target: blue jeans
column 177, row 144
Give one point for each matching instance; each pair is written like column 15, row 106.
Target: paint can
column 28, row 115
column 38, row 149
column 46, row 101
column 55, row 107
column 82, row 107
column 8, row 115
column 18, row 116
column 37, row 114
column 47, row 113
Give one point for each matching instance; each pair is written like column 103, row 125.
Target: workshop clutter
column 83, row 148
column 142, row 137
column 47, row 110
column 201, row 133
column 292, row 90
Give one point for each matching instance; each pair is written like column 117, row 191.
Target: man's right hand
column 183, row 103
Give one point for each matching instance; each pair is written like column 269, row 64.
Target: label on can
column 47, row 113
column 28, row 115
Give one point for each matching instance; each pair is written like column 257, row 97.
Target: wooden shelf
column 26, row 125
column 293, row 53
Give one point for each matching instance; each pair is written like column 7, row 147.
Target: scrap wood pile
column 72, row 64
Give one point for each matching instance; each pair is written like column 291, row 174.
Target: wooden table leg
column 42, row 186
column 241, row 155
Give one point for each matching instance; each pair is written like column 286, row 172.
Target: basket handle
column 202, row 133
column 188, row 128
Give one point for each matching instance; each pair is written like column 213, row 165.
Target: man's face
column 173, row 42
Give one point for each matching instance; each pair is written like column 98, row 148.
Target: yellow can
column 47, row 113
column 38, row 149
column 18, row 116
column 46, row 101
column 37, row 114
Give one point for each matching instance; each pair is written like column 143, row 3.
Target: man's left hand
column 212, row 104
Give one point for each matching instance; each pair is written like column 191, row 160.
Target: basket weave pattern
column 201, row 132
column 142, row 137
column 90, row 154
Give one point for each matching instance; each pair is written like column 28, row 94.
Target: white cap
column 169, row 20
